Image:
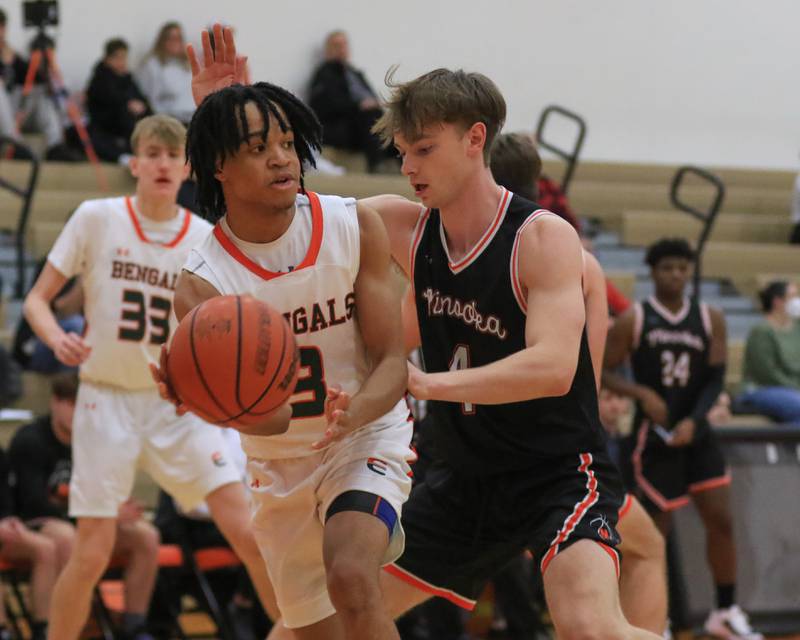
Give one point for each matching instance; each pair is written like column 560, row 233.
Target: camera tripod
column 43, row 57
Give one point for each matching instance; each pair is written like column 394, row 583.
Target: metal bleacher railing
column 25, row 193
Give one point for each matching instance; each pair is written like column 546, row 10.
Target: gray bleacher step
column 605, row 239
column 739, row 325
column 708, row 288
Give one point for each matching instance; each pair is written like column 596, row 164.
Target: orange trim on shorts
column 414, row 581
column 611, row 552
column 626, row 506
column 266, row 274
column 578, row 511
column 661, row 501
column 711, row 483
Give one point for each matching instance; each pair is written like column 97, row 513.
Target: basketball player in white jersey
column 326, row 494
column 129, row 251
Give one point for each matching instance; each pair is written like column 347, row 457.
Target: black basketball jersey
column 472, row 313
column 670, row 354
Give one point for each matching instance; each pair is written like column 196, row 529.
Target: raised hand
column 221, row 67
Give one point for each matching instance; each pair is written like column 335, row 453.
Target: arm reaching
column 221, row 66
column 378, row 313
column 550, row 269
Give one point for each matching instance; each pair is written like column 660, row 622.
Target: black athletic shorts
column 665, row 476
column 461, row 530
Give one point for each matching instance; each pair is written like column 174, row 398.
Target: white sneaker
column 730, row 624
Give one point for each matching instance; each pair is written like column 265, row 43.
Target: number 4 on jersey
column 461, row 361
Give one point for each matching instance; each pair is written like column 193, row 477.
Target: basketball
column 233, row 360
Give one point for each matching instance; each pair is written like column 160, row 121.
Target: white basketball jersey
column 308, row 274
column 128, row 266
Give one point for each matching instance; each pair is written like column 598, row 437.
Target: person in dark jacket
column 115, row 103
column 345, row 103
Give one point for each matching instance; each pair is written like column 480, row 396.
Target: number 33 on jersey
column 128, row 265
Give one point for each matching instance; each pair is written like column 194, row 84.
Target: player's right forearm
column 621, row 385
column 42, row 320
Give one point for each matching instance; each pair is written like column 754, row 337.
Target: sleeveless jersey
column 128, row 266
column 314, row 289
column 670, row 354
column 472, row 313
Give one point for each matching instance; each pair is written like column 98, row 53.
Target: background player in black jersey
column 516, row 165
column 677, row 348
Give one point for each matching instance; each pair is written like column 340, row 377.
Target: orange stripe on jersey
column 187, row 220
column 311, row 256
column 516, row 285
column 498, row 218
column 420, row 228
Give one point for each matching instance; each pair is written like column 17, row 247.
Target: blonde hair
column 441, row 96
column 163, row 128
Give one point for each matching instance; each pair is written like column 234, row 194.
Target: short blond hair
column 163, row 128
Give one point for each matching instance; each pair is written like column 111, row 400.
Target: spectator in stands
column 40, row 111
column 115, row 103
column 41, row 460
column 345, row 102
column 165, row 77
column 771, row 376
column 19, row 543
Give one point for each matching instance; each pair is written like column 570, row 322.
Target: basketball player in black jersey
column 496, row 283
column 677, row 349
column 497, row 286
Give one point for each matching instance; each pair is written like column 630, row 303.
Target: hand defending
column 340, row 423
column 221, row 66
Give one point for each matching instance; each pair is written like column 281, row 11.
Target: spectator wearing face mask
column 771, row 376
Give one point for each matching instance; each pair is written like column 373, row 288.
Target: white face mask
column 793, row 307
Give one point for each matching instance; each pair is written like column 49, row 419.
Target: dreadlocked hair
column 219, row 127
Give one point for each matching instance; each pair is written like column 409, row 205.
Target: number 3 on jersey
column 311, row 384
column 461, row 361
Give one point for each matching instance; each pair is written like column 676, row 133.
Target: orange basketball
column 233, row 360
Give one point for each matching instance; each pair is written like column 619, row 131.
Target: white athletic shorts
column 117, row 431
column 290, row 498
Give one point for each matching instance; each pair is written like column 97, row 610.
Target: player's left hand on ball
column 417, row 382
column 683, row 433
column 165, row 390
column 337, row 403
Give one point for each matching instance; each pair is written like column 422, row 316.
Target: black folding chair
column 25, row 193
column 568, row 154
column 707, row 216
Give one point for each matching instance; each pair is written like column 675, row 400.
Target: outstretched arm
column 550, row 271
column 221, row 66
column 378, row 313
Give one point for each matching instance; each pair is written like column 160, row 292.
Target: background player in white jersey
column 327, row 494
column 129, row 252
